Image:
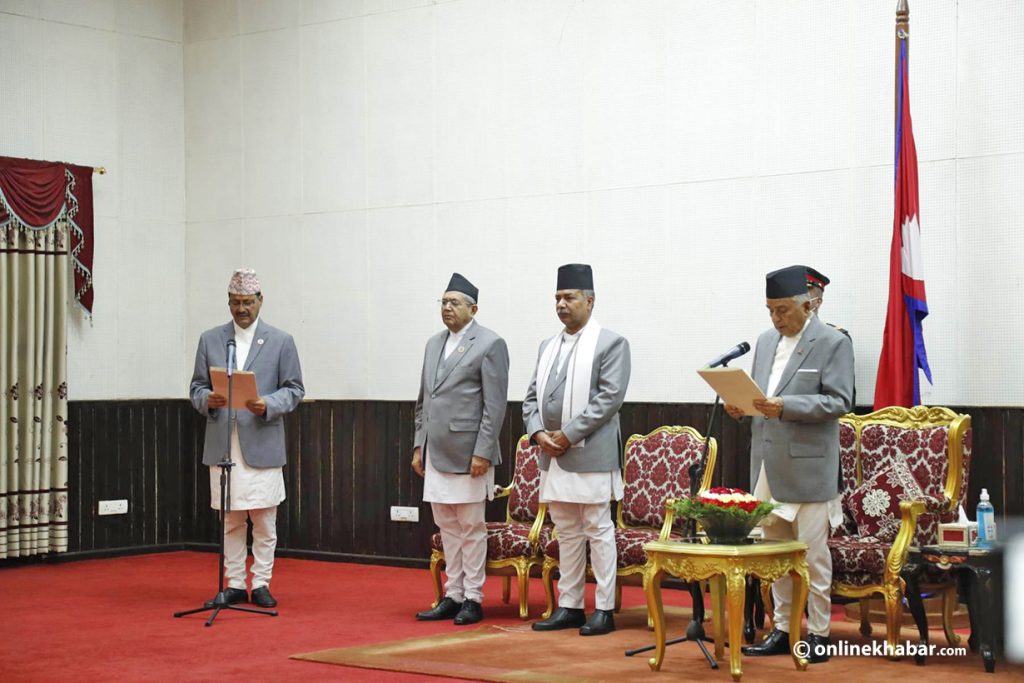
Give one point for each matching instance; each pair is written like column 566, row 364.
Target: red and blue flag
column 903, row 341
column 903, row 351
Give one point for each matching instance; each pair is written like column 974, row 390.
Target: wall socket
column 404, row 514
column 112, row 507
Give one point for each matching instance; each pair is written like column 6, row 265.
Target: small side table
column 979, row 571
column 727, row 567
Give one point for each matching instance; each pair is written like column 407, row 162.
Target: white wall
column 682, row 148
column 100, row 83
column 356, row 152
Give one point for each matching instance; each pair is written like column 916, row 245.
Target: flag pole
column 902, row 33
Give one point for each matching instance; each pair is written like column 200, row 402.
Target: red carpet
column 111, row 620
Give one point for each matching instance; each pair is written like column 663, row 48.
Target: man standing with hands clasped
column 257, row 436
column 805, row 369
column 572, row 411
column 459, row 413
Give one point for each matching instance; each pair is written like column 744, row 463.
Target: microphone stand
column 220, row 601
column 695, row 630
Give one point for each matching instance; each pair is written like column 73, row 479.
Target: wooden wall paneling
column 80, row 429
column 384, row 485
column 986, row 454
column 325, row 472
column 108, row 452
column 205, row 520
column 343, row 491
column 367, row 537
column 414, row 539
column 310, row 441
column 289, row 523
column 1013, row 457
column 138, row 459
column 354, row 464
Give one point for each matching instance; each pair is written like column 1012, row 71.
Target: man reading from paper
column 257, row 436
column 805, row 369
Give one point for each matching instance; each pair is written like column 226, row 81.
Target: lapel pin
column 259, row 342
column 461, row 349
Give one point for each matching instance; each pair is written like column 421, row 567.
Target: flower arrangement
column 726, row 515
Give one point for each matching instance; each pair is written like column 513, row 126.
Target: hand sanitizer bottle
column 986, row 521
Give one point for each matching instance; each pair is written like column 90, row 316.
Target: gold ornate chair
column 513, row 546
column 904, row 470
column 657, row 472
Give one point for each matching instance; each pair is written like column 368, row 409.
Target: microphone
column 731, row 354
column 230, row 356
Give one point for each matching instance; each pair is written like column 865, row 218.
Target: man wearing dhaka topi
column 257, row 442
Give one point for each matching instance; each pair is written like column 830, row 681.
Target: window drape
column 45, row 245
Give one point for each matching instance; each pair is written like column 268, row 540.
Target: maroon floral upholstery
column 657, row 469
column 924, row 450
column 858, row 561
column 848, row 456
column 524, row 498
column 897, row 454
column 875, row 504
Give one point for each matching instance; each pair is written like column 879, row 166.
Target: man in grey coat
column 572, row 411
column 805, row 369
column 459, row 413
column 256, row 442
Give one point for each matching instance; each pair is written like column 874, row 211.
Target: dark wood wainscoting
column 353, row 465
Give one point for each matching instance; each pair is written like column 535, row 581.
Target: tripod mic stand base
column 220, row 603
column 694, row 634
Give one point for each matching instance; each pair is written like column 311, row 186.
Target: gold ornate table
column 726, row 567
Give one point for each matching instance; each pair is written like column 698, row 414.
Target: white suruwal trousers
column 576, row 523
column 255, row 494
column 458, row 504
column 811, row 526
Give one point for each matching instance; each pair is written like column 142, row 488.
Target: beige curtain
column 33, row 378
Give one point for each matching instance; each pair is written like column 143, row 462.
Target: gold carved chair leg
column 618, row 597
column 523, row 577
column 950, row 598
column 436, row 560
column 893, row 616
column 506, row 589
column 865, row 617
column 549, row 585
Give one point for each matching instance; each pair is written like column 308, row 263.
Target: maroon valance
column 34, row 195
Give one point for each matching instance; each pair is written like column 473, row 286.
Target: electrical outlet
column 404, row 514
column 112, row 507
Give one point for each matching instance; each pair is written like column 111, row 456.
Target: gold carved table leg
column 717, row 584
column 736, row 588
column 656, row 612
column 801, row 586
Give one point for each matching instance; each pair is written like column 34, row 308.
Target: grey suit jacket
column 275, row 360
column 460, row 412
column 800, row 450
column 599, row 421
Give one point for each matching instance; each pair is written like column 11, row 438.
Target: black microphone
column 731, row 354
column 230, row 356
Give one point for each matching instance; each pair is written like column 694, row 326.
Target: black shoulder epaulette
column 841, row 329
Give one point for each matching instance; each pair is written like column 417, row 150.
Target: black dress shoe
column 232, row 596
column 776, row 643
column 602, row 621
column 563, row 617
column 446, row 609
column 262, row 597
column 470, row 613
column 817, row 650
